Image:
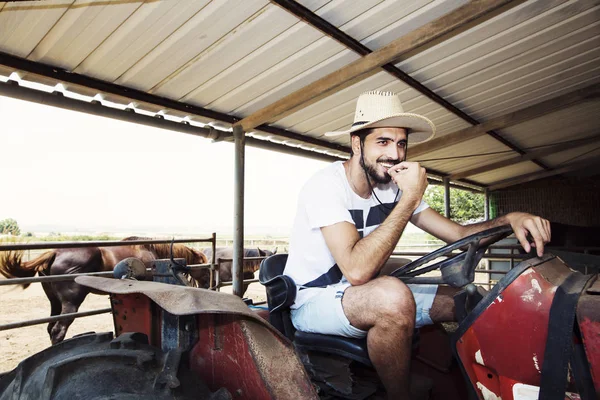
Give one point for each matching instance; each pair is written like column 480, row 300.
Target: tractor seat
column 281, row 293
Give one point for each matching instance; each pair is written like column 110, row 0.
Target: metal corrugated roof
column 235, row 57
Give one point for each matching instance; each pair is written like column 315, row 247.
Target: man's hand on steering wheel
column 524, row 224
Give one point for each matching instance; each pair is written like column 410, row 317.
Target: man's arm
column 522, row 224
column 361, row 259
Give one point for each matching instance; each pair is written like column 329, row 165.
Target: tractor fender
column 501, row 344
column 227, row 345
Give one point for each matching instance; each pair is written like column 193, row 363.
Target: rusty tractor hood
column 178, row 300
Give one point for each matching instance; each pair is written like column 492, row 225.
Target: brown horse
column 225, row 267
column 66, row 297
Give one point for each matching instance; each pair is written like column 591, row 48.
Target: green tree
column 9, row 226
column 464, row 205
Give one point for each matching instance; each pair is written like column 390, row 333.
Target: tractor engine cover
column 501, row 343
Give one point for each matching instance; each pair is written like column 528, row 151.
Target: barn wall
column 573, row 201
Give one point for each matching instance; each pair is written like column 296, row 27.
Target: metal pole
column 238, row 212
column 213, row 268
column 487, row 204
column 53, row 278
column 97, row 243
column 446, row 197
column 55, row 318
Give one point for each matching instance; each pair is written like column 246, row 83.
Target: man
column 350, row 217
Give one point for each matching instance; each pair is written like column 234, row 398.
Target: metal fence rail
column 98, row 243
column 22, row 324
column 71, row 277
column 53, row 278
column 214, row 268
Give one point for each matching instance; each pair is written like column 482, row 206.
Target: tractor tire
column 96, row 366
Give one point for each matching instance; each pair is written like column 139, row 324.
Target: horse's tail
column 12, row 266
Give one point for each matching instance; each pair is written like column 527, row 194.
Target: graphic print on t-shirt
column 376, row 215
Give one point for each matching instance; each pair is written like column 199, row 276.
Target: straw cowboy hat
column 376, row 109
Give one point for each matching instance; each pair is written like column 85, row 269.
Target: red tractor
column 535, row 334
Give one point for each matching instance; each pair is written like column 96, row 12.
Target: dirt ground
column 31, row 303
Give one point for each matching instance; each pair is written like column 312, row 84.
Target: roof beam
column 543, row 174
column 361, row 68
column 332, row 31
column 64, row 76
column 514, row 118
column 557, row 148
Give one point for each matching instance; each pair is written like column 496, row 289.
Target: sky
column 73, row 172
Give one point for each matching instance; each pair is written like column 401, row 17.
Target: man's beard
column 371, row 170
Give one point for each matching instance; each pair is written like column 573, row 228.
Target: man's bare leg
column 442, row 309
column 385, row 307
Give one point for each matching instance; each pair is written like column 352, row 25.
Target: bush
column 465, row 206
column 9, row 227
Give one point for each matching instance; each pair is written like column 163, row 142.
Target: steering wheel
column 458, row 270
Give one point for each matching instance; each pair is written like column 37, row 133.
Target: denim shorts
column 323, row 312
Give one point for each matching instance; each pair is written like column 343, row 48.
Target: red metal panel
column 231, row 353
column 590, row 330
column 133, row 313
column 237, row 353
column 506, row 344
column 588, row 316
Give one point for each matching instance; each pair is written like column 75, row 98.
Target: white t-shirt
column 327, row 199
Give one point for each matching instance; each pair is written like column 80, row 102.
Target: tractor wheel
column 96, row 366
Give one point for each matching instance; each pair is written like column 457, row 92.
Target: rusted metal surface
column 232, row 351
column 133, row 313
column 588, row 317
column 178, row 300
column 248, row 360
column 235, row 348
column 277, row 363
column 517, row 314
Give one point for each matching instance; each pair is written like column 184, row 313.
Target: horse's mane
column 191, row 256
column 136, row 238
